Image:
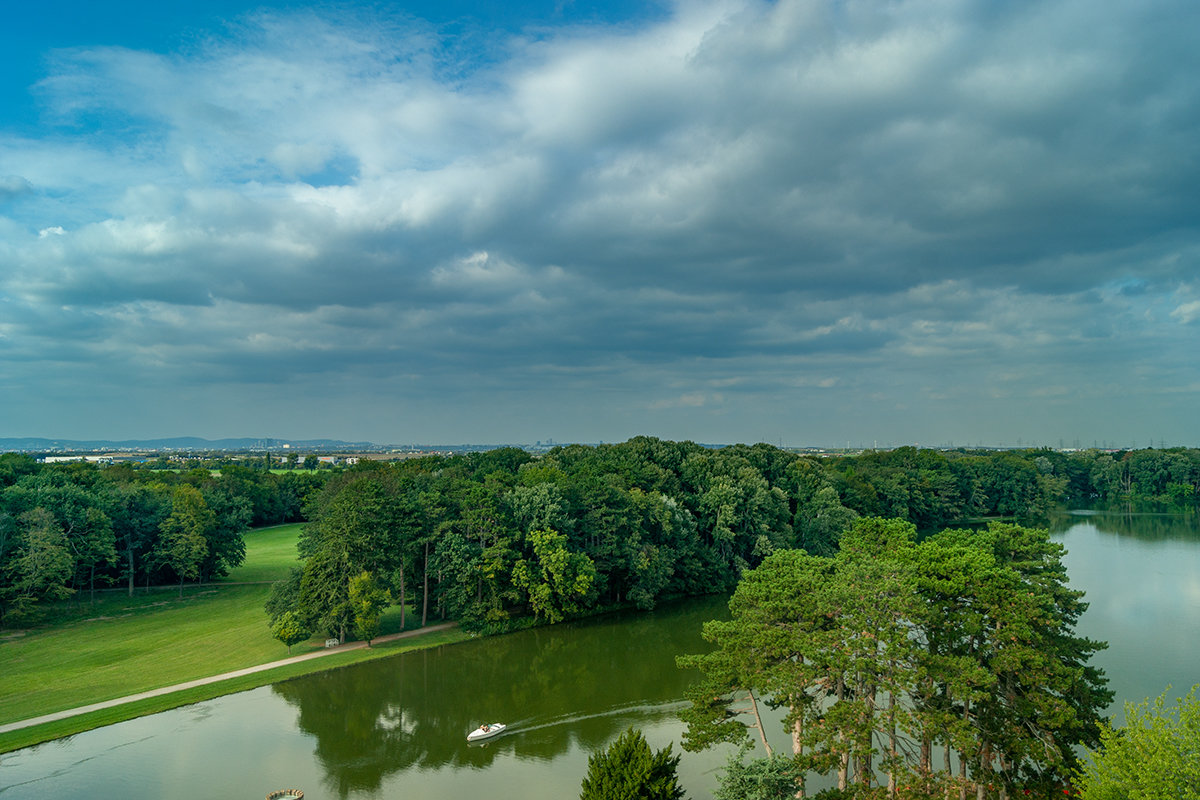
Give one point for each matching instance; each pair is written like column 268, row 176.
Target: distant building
column 68, row 459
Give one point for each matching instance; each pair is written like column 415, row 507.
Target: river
column 396, row 728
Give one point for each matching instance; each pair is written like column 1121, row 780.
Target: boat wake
column 639, row 710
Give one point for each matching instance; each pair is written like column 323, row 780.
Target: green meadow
column 121, row 645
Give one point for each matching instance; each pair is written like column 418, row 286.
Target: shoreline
column 48, row 727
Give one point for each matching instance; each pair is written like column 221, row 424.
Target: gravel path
column 71, row 712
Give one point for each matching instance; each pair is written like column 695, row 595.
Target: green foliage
column 629, row 770
column 1155, row 756
column 367, row 602
column 285, row 597
column 821, row 522
column 458, row 536
column 138, row 525
column 183, row 542
column 559, row 583
column 39, row 565
column 325, row 592
column 771, row 778
column 362, row 521
column 290, row 629
column 965, row 640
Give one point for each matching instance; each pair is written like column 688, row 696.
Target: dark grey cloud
column 813, row 218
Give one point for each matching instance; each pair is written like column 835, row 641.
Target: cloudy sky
column 799, row 221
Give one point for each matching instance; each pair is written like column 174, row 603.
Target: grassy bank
column 27, row 737
column 123, row 645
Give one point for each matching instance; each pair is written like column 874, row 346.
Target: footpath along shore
column 72, row 712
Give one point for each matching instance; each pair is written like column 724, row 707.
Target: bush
column 629, row 770
column 1156, row 756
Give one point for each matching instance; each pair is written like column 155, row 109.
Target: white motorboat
column 486, row 732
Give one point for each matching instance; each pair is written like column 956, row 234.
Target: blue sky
column 811, row 222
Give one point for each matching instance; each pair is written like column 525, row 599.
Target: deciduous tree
column 367, row 602
column 39, row 567
column 290, row 629
column 1155, row 756
column 183, row 540
column 558, row 582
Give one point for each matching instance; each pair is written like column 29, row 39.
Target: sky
column 804, row 222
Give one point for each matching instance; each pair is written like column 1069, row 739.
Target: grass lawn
column 122, row 645
column 27, row 737
column 270, row 553
column 128, row 649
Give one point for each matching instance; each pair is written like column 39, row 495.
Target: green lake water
column 396, row 728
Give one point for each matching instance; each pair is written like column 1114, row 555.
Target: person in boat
column 485, row 728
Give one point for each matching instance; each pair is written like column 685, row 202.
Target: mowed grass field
column 270, row 553
column 121, row 645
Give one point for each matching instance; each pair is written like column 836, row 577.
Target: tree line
column 493, row 537
column 488, row 537
column 69, row 529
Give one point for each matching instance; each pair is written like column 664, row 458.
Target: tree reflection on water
column 577, row 685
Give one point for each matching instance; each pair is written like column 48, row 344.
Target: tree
column 290, row 629
column 183, row 543
column 226, row 545
column 1156, row 756
column 137, row 511
column 13, row 466
column 629, row 770
column 325, row 592
column 872, row 655
column 967, row 640
column 772, row 778
column 70, row 496
column 559, row 583
column 367, row 601
column 772, row 645
column 744, row 517
column 284, row 597
column 358, row 524
column 41, row 568
column 1047, row 698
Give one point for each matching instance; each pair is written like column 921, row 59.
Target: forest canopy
column 496, row 537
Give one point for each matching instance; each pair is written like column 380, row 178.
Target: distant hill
column 37, row 444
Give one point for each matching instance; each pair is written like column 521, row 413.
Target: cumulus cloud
column 798, row 201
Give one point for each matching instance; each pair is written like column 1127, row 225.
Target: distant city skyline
column 804, row 222
column 284, row 446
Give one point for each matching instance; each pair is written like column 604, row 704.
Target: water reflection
column 1142, row 578
column 1146, row 522
column 396, row 728
column 559, row 689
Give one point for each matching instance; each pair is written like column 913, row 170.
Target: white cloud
column 1187, row 313
column 789, row 199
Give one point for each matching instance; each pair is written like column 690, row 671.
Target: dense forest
column 67, row 530
column 501, row 537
